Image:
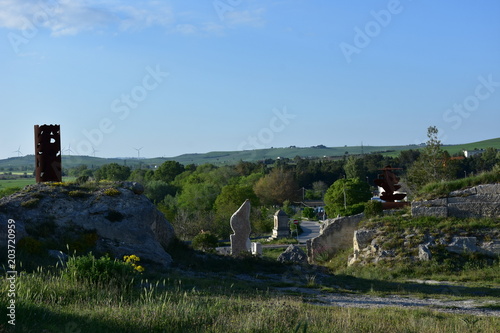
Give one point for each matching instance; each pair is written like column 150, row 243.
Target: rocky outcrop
column 374, row 245
column 293, row 254
column 336, row 235
column 477, row 201
column 113, row 219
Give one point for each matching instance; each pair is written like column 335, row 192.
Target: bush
column 373, row 208
column 8, row 191
column 309, row 212
column 100, row 271
column 205, row 241
column 82, row 179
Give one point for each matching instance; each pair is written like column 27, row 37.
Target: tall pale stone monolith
column 240, row 223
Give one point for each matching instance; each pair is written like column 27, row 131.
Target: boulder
column 490, row 248
column 424, row 254
column 293, row 254
column 113, row 220
column 462, row 245
column 362, row 238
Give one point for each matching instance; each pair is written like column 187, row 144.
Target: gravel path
column 471, row 307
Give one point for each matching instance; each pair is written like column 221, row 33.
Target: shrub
column 8, row 191
column 373, row 208
column 82, row 179
column 308, row 212
column 205, row 241
column 99, row 271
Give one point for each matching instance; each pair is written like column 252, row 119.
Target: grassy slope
column 231, row 157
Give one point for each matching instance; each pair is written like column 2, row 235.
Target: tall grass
column 46, row 302
column 441, row 189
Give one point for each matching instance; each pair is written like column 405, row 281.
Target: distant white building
column 470, row 153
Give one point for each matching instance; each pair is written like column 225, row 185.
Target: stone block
column 256, row 248
column 474, row 209
column 463, row 193
column 475, row 198
column 490, row 248
column 429, row 211
column 493, row 189
column 462, row 245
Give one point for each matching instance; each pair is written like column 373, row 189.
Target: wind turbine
column 69, row 150
column 18, row 151
column 94, row 151
column 138, row 152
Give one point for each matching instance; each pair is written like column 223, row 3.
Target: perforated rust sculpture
column 389, row 182
column 48, row 153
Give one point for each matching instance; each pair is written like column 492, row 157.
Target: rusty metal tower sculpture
column 389, row 182
column 48, row 163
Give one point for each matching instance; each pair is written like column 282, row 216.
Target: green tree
column 198, row 197
column 346, row 195
column 157, row 190
column 489, row 158
column 228, row 201
column 276, row 187
column 168, row 170
column 354, row 168
column 113, row 172
column 431, row 164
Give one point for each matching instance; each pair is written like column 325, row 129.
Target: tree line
column 203, row 197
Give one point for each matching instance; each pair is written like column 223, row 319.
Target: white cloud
column 70, row 17
column 249, row 17
column 66, row 17
column 186, row 29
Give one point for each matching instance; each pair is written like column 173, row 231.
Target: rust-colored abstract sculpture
column 48, row 153
column 389, row 182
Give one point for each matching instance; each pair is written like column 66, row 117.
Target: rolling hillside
column 26, row 163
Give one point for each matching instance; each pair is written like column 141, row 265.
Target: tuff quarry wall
column 478, row 201
column 335, row 235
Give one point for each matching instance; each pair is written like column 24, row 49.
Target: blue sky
column 194, row 76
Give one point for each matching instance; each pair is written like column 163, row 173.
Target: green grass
column 233, row 157
column 46, row 302
column 441, row 189
column 22, row 182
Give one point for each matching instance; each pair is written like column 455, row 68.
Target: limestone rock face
column 336, row 235
column 478, row 201
column 293, row 254
column 114, row 220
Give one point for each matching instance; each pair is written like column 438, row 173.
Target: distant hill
column 26, row 163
